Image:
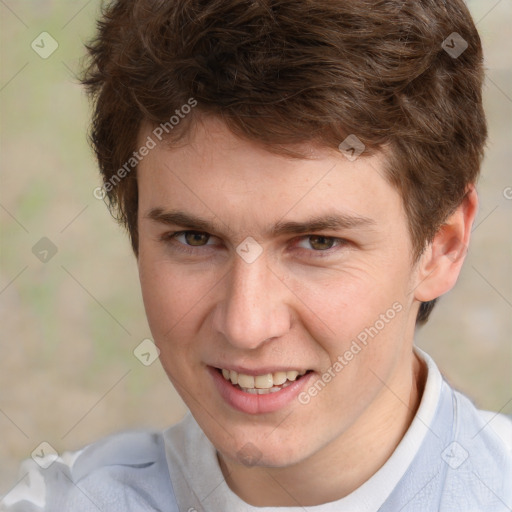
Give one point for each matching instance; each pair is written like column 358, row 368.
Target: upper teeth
column 265, row 381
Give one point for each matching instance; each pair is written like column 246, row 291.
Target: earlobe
column 440, row 264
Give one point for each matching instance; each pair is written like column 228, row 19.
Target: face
column 264, row 269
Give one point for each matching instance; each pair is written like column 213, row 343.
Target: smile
column 262, row 384
column 262, row 393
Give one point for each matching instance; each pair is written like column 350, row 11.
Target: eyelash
column 170, row 239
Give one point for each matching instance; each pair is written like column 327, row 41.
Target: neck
column 357, row 455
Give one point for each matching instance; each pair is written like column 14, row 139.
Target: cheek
column 360, row 331
column 170, row 296
column 338, row 305
column 356, row 318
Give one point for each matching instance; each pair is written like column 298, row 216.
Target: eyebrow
column 327, row 222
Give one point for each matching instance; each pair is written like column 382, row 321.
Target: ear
column 440, row 264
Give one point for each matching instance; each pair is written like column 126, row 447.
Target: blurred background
column 71, row 312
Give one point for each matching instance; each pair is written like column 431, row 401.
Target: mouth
column 262, row 384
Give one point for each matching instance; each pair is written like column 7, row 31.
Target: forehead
column 211, row 171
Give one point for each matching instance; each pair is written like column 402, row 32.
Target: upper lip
column 263, row 370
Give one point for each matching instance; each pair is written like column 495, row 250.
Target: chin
column 263, row 452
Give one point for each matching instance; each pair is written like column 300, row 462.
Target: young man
column 298, row 181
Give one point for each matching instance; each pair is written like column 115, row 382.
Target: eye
column 320, row 243
column 188, row 240
column 193, row 238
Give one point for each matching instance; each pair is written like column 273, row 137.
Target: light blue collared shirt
column 462, row 464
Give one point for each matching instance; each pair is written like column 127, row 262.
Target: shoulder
column 491, row 431
column 466, row 457
column 478, row 459
column 455, row 411
column 500, row 425
column 124, row 472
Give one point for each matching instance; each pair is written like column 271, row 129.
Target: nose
column 253, row 307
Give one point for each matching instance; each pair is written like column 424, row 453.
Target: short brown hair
column 288, row 71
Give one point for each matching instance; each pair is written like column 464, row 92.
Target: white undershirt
column 199, row 484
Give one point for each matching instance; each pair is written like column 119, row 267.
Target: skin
column 300, row 304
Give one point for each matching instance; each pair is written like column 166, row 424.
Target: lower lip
column 258, row 404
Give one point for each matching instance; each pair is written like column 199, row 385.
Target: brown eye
column 196, row 238
column 321, row 243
